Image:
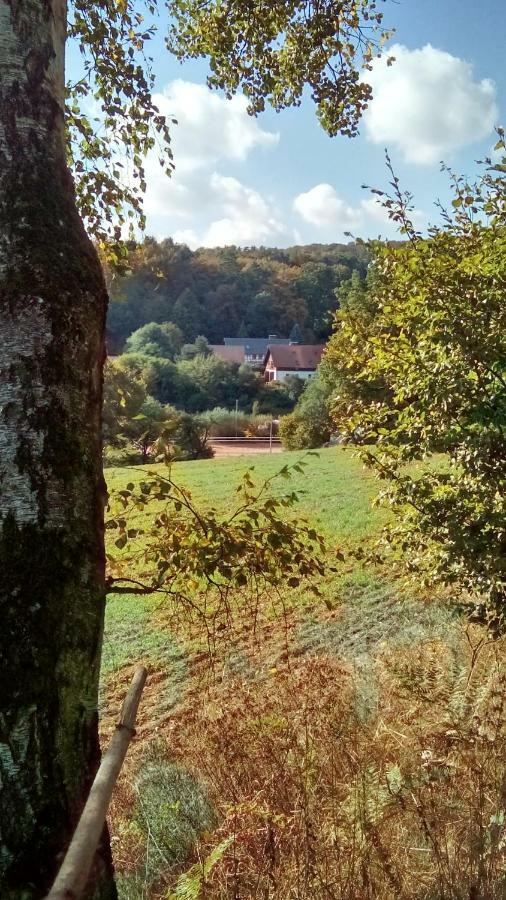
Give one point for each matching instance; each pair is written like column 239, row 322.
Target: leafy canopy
column 270, row 50
column 274, row 50
column 213, row 566
column 163, row 341
column 249, row 292
column 425, row 374
column 310, row 425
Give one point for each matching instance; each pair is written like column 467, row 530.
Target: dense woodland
column 231, row 291
column 157, row 377
column 163, row 371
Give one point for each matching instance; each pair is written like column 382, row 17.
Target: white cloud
column 207, row 209
column 322, row 206
column 209, row 127
column 373, row 208
column 246, row 218
column 427, row 104
column 198, row 205
column 187, row 236
column 167, row 197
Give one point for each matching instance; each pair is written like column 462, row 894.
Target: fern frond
column 189, row 884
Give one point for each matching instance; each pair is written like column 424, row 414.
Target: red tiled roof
column 229, row 354
column 295, row 356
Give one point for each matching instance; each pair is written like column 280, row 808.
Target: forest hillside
column 227, row 292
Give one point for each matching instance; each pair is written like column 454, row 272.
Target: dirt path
column 243, row 448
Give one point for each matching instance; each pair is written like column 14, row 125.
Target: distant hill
column 228, row 292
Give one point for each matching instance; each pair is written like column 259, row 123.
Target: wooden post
column 73, row 875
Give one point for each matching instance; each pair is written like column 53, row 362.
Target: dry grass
column 324, row 802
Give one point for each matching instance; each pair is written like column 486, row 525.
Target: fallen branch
column 73, row 875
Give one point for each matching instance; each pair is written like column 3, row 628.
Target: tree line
column 227, row 292
column 160, row 385
column 438, row 357
column 415, row 373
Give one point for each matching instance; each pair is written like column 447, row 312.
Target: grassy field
column 336, row 500
column 338, row 489
column 192, row 715
column 366, row 607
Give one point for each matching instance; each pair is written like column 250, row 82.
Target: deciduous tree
column 164, row 341
column 52, row 318
column 431, row 363
column 52, row 322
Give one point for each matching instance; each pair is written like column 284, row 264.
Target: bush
column 422, row 372
column 163, row 341
column 310, row 424
column 260, row 426
column 200, row 347
column 160, row 377
column 190, row 437
column 297, row 433
column 274, row 399
column 168, row 811
column 222, row 422
column 125, row 455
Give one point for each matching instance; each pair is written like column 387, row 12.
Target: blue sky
column 279, row 179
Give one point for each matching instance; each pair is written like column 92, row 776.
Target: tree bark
column 52, row 319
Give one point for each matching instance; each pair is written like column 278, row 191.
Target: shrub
column 300, row 434
column 274, row 399
column 222, row 422
column 190, row 437
column 422, row 372
column 168, row 810
column 125, row 455
column 260, row 426
column 163, row 341
column 310, row 424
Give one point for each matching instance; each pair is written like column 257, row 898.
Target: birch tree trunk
column 52, row 315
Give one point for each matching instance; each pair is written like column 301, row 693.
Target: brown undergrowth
column 320, row 793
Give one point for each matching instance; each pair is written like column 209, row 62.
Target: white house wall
column 281, row 374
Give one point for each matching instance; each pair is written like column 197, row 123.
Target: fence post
column 73, row 875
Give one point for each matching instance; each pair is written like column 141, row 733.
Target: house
column 254, row 349
column 229, row 354
column 282, row 360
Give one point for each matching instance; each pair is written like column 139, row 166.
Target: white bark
column 32, row 88
column 24, row 336
column 24, row 62
column 52, row 318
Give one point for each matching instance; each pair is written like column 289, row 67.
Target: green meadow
column 364, row 615
column 370, row 606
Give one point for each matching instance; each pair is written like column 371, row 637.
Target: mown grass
column 337, row 489
column 336, row 499
column 336, row 494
